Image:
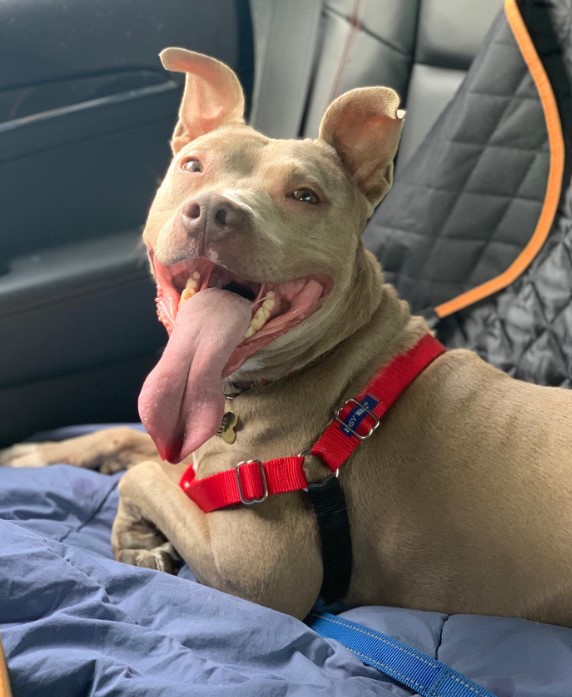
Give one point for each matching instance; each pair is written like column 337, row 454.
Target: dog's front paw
column 25, row 455
column 138, row 542
column 162, row 558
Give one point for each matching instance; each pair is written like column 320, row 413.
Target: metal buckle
column 249, row 502
column 338, row 418
column 304, row 454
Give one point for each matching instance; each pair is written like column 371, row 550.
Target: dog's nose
column 213, row 214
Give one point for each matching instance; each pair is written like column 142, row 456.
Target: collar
column 252, row 481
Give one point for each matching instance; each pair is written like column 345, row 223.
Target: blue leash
column 427, row 676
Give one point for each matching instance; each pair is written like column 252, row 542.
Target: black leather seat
column 421, row 48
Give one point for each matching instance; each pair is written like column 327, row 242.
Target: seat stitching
column 356, row 28
column 335, row 80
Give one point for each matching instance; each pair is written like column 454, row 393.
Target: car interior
column 87, row 112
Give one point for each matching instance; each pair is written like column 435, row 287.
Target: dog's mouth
column 275, row 308
column 216, row 320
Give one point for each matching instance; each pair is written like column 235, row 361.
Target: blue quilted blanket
column 74, row 622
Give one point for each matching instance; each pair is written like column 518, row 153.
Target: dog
column 461, row 500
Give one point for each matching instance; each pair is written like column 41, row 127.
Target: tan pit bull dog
column 460, row 502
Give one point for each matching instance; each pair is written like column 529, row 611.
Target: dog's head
column 255, row 244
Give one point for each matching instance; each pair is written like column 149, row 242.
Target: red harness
column 253, row 481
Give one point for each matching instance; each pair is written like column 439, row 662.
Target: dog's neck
column 390, row 330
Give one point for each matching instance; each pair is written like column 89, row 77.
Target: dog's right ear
column 364, row 127
column 213, row 96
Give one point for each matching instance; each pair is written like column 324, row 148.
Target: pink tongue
column 182, row 403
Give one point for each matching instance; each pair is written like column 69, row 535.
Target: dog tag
column 227, row 428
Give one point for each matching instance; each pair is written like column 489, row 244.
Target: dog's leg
column 151, row 502
column 139, row 542
column 236, row 551
column 109, row 450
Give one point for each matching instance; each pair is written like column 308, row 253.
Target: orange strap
column 554, row 182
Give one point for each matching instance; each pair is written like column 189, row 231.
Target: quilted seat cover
column 474, row 204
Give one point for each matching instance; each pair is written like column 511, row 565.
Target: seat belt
column 285, row 38
column 427, row 676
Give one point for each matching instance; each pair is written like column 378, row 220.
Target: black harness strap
column 329, row 504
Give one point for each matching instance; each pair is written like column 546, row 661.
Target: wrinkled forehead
column 244, row 152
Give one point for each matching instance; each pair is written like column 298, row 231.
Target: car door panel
column 86, row 113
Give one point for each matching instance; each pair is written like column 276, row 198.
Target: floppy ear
column 364, row 127
column 213, row 96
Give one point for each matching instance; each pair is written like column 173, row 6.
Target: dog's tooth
column 193, row 282
column 269, row 301
column 260, row 318
column 186, row 294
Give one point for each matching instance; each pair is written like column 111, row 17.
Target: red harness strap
column 253, row 481
column 248, row 482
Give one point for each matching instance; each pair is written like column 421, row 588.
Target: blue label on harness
column 358, row 414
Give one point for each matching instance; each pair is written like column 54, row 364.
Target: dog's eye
column 192, row 165
column 305, row 196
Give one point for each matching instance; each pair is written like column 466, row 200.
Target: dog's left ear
column 364, row 127
column 213, row 96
